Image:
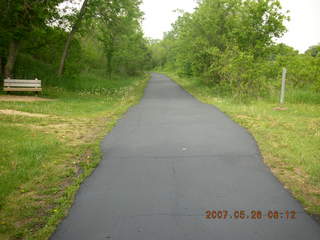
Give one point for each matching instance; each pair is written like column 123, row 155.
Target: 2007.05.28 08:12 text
column 253, row 214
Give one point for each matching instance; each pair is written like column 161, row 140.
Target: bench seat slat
column 22, row 89
column 22, row 84
column 21, row 81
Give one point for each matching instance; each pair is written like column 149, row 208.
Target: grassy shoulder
column 288, row 137
column 47, row 148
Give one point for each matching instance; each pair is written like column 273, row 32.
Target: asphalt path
column 168, row 161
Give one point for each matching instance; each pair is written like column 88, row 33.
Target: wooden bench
column 20, row 85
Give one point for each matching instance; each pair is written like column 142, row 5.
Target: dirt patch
column 280, row 109
column 242, row 117
column 72, row 132
column 14, row 98
column 14, row 112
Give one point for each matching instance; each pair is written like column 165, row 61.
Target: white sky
column 303, row 29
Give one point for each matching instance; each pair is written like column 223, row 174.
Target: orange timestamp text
column 251, row 214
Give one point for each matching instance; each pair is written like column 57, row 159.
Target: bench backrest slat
column 22, row 85
column 21, row 81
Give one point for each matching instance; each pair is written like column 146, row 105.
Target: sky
column 303, row 29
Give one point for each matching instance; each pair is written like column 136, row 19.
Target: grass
column 288, row 136
column 43, row 160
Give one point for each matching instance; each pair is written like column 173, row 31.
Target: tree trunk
column 70, row 36
column 1, row 69
column 109, row 64
column 13, row 52
column 65, row 52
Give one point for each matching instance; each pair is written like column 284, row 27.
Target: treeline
column 230, row 44
column 52, row 39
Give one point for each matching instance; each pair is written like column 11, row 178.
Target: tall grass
column 307, row 96
column 27, row 67
column 292, row 95
column 94, row 81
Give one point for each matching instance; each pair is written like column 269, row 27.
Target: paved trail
column 169, row 160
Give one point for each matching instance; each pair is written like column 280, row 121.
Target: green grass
column 43, row 160
column 289, row 138
column 22, row 153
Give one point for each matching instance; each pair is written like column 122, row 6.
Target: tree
column 226, row 42
column 19, row 19
column 74, row 28
column 119, row 22
column 313, row 51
